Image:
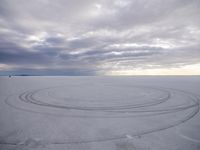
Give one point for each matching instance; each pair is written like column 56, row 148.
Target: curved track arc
column 27, row 97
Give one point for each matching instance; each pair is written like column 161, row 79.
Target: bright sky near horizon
column 100, row 37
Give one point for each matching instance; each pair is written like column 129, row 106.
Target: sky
column 100, row 37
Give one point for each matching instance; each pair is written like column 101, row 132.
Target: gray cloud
column 95, row 36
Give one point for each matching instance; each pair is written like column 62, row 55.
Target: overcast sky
column 99, row 37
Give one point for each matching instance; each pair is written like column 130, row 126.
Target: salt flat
column 95, row 113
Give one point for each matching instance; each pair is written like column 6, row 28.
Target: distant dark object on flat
column 23, row 75
column 9, row 76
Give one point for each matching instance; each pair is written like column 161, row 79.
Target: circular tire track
column 145, row 109
column 28, row 97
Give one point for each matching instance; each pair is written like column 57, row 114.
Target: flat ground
column 99, row 113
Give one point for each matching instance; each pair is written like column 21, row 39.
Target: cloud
column 97, row 36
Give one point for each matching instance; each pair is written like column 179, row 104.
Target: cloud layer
column 98, row 37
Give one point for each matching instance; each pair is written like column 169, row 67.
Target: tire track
column 117, row 111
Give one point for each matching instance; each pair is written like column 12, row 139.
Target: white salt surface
column 99, row 113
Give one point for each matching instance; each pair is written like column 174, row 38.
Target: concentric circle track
column 147, row 103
